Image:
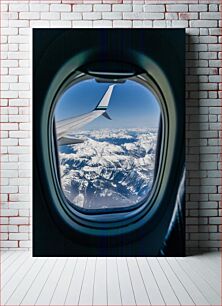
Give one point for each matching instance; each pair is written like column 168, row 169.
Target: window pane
column 107, row 163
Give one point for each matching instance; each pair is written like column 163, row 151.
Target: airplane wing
column 67, row 126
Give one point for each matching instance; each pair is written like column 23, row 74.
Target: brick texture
column 201, row 18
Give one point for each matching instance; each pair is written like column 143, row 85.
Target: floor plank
column 33, row 293
column 113, row 285
column 100, row 284
column 18, row 294
column 208, row 292
column 205, row 271
column 193, row 280
column 10, row 261
column 62, row 287
column 17, row 278
column 126, row 289
column 139, row 288
column 86, row 295
column 4, row 255
column 180, row 291
column 152, row 287
column 211, row 261
column 166, row 289
column 13, row 269
column 73, row 293
column 48, row 290
column 190, row 286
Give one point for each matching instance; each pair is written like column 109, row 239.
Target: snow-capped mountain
column 111, row 168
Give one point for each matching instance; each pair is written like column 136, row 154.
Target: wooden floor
column 110, row 281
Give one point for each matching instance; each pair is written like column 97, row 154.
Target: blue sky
column 131, row 105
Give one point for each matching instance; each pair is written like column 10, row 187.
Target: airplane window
column 106, row 142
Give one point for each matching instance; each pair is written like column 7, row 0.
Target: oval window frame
column 73, row 207
column 127, row 221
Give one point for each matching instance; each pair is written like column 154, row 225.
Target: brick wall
column 201, row 18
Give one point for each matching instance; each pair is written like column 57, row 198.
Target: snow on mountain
column 111, row 168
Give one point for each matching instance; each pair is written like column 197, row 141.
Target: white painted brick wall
column 201, row 18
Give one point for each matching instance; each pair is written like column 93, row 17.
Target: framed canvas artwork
column 108, row 142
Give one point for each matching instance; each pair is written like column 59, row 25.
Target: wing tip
column 64, row 141
column 106, row 115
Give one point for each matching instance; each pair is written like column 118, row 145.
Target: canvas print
column 109, row 125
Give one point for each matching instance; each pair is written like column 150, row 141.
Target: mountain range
column 112, row 168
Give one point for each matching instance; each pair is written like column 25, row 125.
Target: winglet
column 106, row 116
column 103, row 104
column 69, row 141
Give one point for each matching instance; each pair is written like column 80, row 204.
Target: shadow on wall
column 193, row 142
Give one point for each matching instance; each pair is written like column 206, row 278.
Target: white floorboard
column 139, row 288
column 75, row 286
column 11, row 261
column 189, row 284
column 5, row 255
column 100, row 283
column 207, row 291
column 33, row 293
column 180, row 291
column 13, row 269
column 48, row 290
column 126, row 289
column 212, row 278
column 113, row 284
column 168, row 292
column 86, row 294
column 194, row 280
column 153, row 290
column 61, row 290
column 9, row 288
